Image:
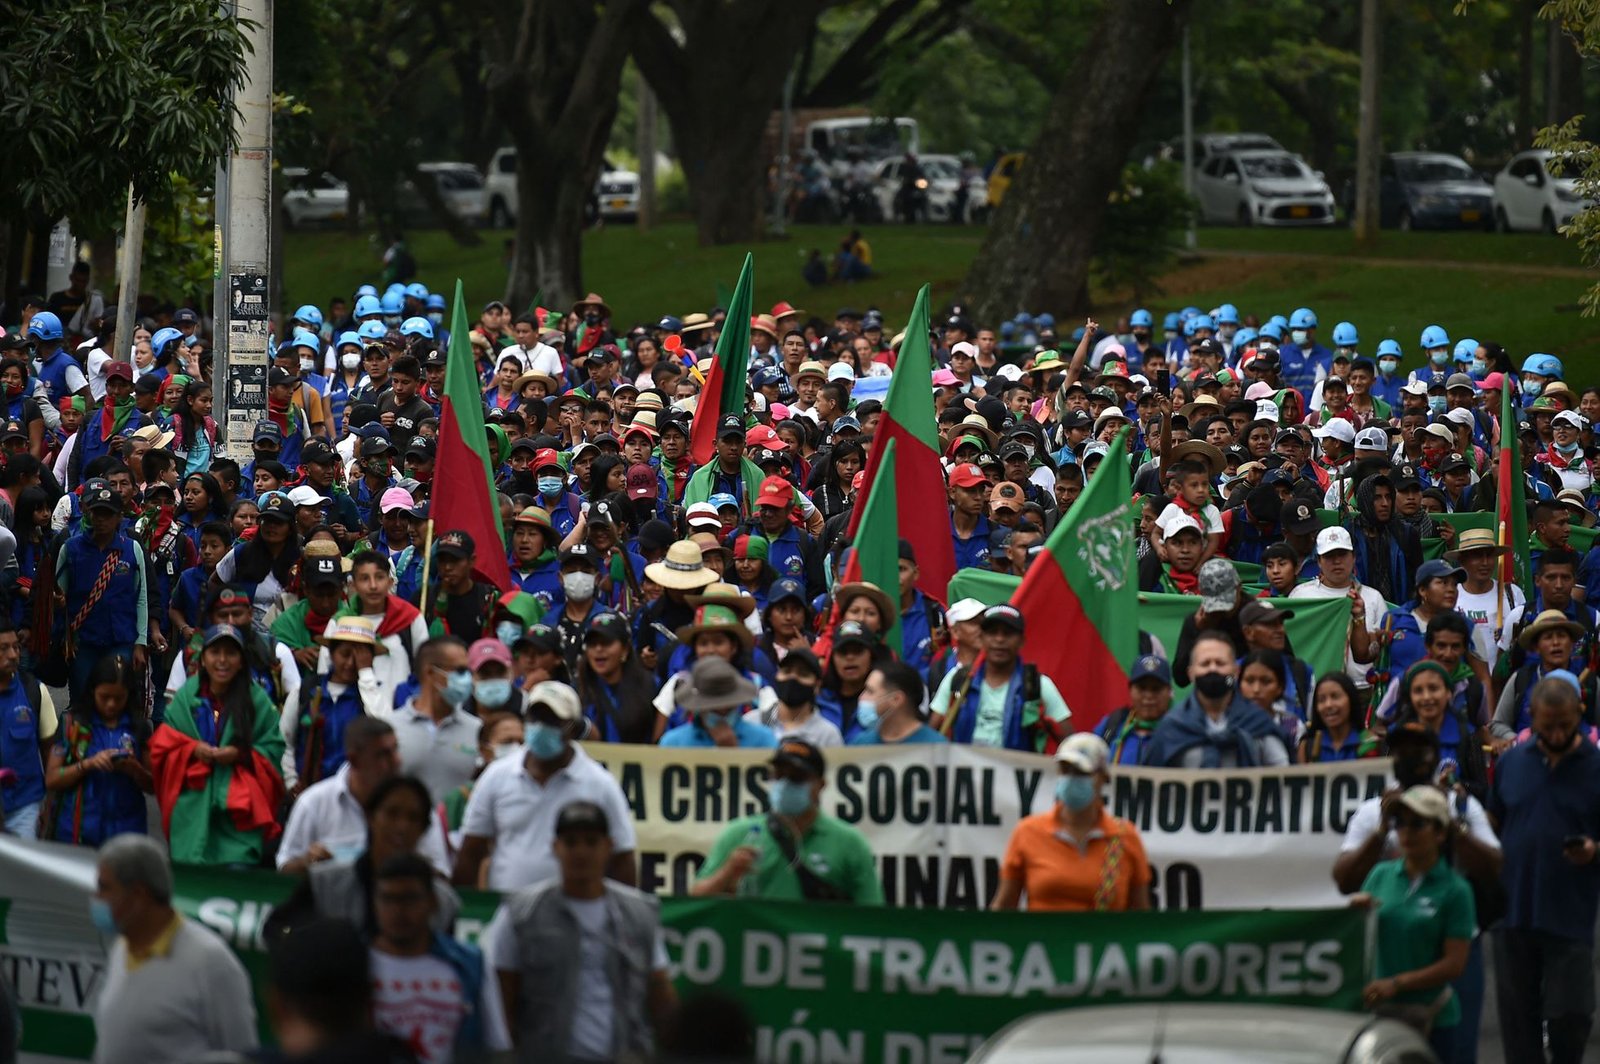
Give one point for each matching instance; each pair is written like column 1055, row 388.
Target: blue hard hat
column 368, row 307
column 1543, row 365
column 392, row 303
column 435, row 301
column 1189, row 325
column 1203, row 321
column 1272, row 330
column 1304, row 318
column 366, row 290
column 310, row 315
column 1077, row 334
column 1023, row 318
column 1280, row 321
column 45, row 326
column 670, row 323
column 417, row 327
column 1434, row 336
column 1007, row 329
column 417, row 290
column 349, row 338
column 1390, row 347
column 1242, row 338
column 1141, row 319
column 395, row 289
column 1227, row 314
column 1171, row 322
column 370, row 331
column 302, row 338
column 1465, row 349
column 1188, row 312
column 158, row 342
column 1045, row 321
column 1344, row 335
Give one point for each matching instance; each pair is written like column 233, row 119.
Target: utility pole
column 128, row 278
column 780, row 209
column 243, row 263
column 1189, row 240
column 647, row 156
column 1369, row 135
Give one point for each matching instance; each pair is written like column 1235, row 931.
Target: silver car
column 1204, row 1034
column 1262, row 188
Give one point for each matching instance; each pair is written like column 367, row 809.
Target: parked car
column 1262, row 188
column 1204, row 1034
column 459, row 184
column 943, row 173
column 1528, row 196
column 1208, row 144
column 1429, row 190
column 619, row 195
column 313, row 199
column 616, row 190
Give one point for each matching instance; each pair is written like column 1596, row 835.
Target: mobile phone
column 1164, row 381
column 1572, row 841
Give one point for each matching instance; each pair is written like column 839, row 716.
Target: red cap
column 967, row 475
column 765, row 436
column 858, row 481
column 545, row 456
column 775, row 491
column 120, row 369
column 642, row 482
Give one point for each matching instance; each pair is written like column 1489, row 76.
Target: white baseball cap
column 1266, row 410
column 1010, row 371
column 1336, row 429
column 306, row 495
column 1415, row 388
column 1462, row 416
column 1332, row 539
column 1177, row 523
column 1084, row 751
column 1372, row 439
column 840, row 371
column 967, row 609
column 559, row 698
column 1570, row 417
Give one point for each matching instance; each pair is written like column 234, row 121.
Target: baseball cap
column 1085, row 751
column 98, row 495
column 1332, row 539
column 1151, row 667
column 731, row 425
column 320, row 452
column 1003, row 615
column 1336, row 429
column 966, row 609
column 306, row 495
column 275, row 504
column 456, row 544
column 1260, row 611
column 484, row 651
column 119, row 369
column 775, row 491
column 581, row 553
column 395, row 499
column 557, row 697
column 967, row 475
column 1006, row 496
column 319, row 571
column 800, row 755
column 853, row 633
column 582, row 816
column 1300, row 519
column 841, row 371
column 1428, row 802
column 1372, row 439
column 1219, row 586
column 786, row 589
column 1437, row 568
column 642, row 482
column 1181, row 522
column 702, row 514
column 267, row 430
column 1453, row 462
column 609, row 626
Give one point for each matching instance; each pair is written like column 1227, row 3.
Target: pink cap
column 395, row 499
column 779, row 412
column 943, row 378
column 1259, row 390
column 484, row 651
column 1492, row 383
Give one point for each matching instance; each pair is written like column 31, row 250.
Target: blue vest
column 52, row 374
column 111, row 622
column 93, row 444
column 327, row 732
column 108, row 803
column 19, row 747
column 966, row 714
column 916, row 634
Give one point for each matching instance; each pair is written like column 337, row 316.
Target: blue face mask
column 788, row 797
column 713, row 721
column 437, row 317
column 1478, row 368
column 100, row 916
column 544, row 741
column 1388, row 366
column 1532, row 387
column 867, row 714
column 1436, row 403
column 1440, row 357
column 491, row 692
column 508, row 632
column 1075, row 792
column 550, row 487
column 457, row 687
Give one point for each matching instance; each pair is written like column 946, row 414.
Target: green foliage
column 1138, row 239
column 179, row 244
column 95, row 97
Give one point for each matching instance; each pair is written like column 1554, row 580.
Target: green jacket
column 700, row 484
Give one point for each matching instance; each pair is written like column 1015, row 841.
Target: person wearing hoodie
column 535, row 568
column 1215, row 726
column 1387, row 551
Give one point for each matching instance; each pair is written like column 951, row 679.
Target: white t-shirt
column 1490, row 613
column 1212, row 516
column 97, row 361
column 418, row 1000
column 1375, row 607
column 1369, row 815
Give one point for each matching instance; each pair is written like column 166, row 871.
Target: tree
column 95, row 98
column 1038, row 250
column 553, row 72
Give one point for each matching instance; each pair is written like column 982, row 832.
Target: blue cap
column 310, row 315
column 1543, row 365
column 784, row 589
column 368, row 307
column 392, row 303
column 1141, row 319
column 846, row 421
column 1466, row 348
column 1303, row 318
column 435, row 301
column 348, row 338
column 417, row 327
column 1434, row 336
column 1344, row 335
column 1227, row 314
column 417, row 290
column 670, row 323
column 218, row 633
column 1151, row 667
column 44, row 326
column 266, row 429
column 372, row 330
column 1438, row 567
column 1272, row 330
column 721, row 499
column 1390, row 347
column 768, row 377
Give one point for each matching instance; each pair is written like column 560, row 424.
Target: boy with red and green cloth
column 117, row 418
column 300, row 626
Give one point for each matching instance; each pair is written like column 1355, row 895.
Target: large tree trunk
column 1039, row 245
column 725, row 171
column 546, row 255
column 1527, row 11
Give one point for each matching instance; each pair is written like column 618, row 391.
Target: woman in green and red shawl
column 216, row 759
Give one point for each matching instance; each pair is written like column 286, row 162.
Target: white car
column 1528, row 197
column 313, row 199
column 943, row 173
column 1262, row 188
column 461, row 186
column 616, row 190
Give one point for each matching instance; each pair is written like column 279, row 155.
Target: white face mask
column 578, row 586
column 307, row 365
column 350, row 360
column 1298, row 336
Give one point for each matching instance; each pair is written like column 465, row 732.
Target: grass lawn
column 644, row 275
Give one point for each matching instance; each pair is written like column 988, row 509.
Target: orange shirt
column 1057, row 877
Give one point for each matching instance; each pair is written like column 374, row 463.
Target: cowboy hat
column 1202, row 406
column 357, row 630
column 1472, row 539
column 591, row 300
column 683, row 568
column 551, row 386
column 715, row 684
column 696, row 323
column 721, row 594
column 716, row 617
column 1200, row 451
column 977, row 423
column 848, row 593
column 1548, row 621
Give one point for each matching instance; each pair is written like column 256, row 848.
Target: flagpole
column 427, row 556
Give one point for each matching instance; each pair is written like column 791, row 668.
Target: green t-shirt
column 1415, row 919
column 833, row 850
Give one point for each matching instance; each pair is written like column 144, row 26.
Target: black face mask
column 795, row 693
column 1213, row 685
column 1413, row 768
column 591, row 318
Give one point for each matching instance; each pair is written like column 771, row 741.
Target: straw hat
column 1203, row 406
column 1200, row 451
column 550, row 385
column 591, row 300
column 683, row 568
column 357, row 630
column 1548, row 621
column 721, row 594
column 848, row 593
column 977, row 423
column 1474, row 539
column 693, row 323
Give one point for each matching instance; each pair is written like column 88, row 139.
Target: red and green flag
column 876, row 557
column 463, row 479
column 729, row 375
column 917, row 484
column 1511, row 507
column 1081, row 596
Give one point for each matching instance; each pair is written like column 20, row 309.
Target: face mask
column 392, row 320
column 544, row 741
column 1532, row 387
column 788, row 798
column 1478, row 368
column 505, row 750
column 1298, row 336
column 550, row 487
column 437, row 317
column 867, row 714
column 1348, row 352
column 1440, row 357
column 457, row 687
column 350, row 360
column 1388, row 366
column 1075, row 792
column 1141, row 335
column 508, row 632
column 578, row 586
column 1436, row 404
column 13, row 390
column 1029, row 449
column 794, row 693
column 100, row 916
column 307, row 365
column 491, row 692
column 591, row 318
column 1213, row 684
